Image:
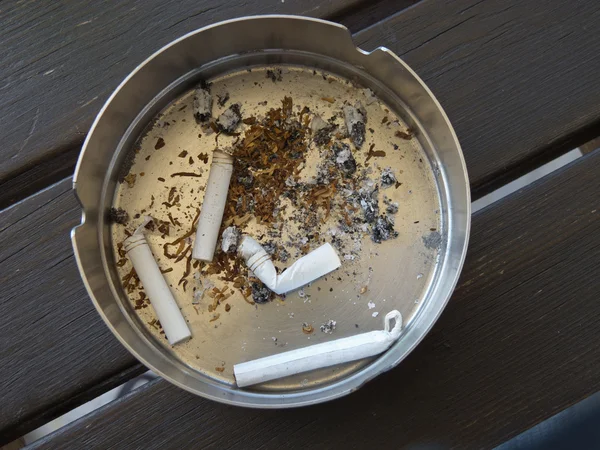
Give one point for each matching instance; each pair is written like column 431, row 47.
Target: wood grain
column 55, row 352
column 516, row 344
column 51, row 92
column 518, row 79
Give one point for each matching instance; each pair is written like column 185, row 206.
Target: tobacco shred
column 406, row 136
column 374, row 153
column 185, row 174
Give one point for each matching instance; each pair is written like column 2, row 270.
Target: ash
column 230, row 119
column 369, row 204
column 118, row 215
column 370, row 96
column 202, row 104
column 392, row 208
column 260, row 293
column 246, row 180
column 283, row 255
column 328, row 326
column 356, row 118
column 388, row 179
column 321, row 130
column 383, row 229
column 222, row 100
column 270, row 247
column 230, row 239
column 344, row 158
column 275, row 75
column 317, row 124
column 433, row 240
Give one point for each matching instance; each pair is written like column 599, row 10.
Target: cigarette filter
column 156, row 287
column 321, row 355
column 213, row 206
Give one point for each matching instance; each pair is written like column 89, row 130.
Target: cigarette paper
column 317, row 263
column 321, row 355
column 156, row 288
column 213, row 206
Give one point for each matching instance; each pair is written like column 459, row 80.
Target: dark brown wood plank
column 61, row 60
column 55, row 352
column 518, row 79
column 516, row 344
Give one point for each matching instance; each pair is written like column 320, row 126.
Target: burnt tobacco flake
column 118, row 215
column 274, row 75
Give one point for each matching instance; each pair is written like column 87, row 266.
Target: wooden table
column 520, row 81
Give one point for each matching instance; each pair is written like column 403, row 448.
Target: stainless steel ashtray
column 258, row 62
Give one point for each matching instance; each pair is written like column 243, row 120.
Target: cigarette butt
column 314, row 265
column 156, row 288
column 321, row 355
column 213, row 206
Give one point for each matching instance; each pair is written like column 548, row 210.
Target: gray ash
column 323, row 136
column 392, row 208
column 323, row 174
column 260, row 293
column 202, row 104
column 221, row 100
column 328, row 326
column 270, row 247
column 230, row 119
column 356, row 118
column 230, row 239
column 317, row 123
column 388, row 179
column 118, row 215
column 433, row 240
column 344, row 158
column 246, row 179
column 321, row 130
column 274, row 75
column 369, row 204
column 283, row 255
column 383, row 229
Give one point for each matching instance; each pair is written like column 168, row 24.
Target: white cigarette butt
column 161, row 298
